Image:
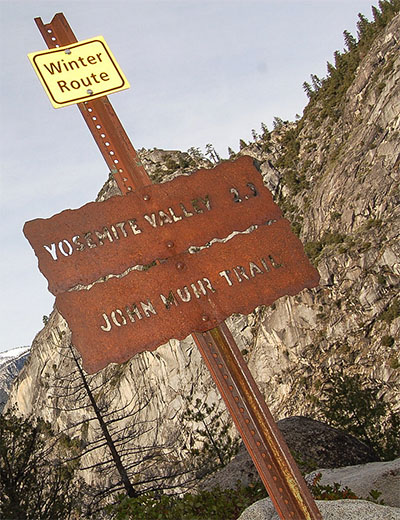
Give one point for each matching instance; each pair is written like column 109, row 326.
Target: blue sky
column 201, row 71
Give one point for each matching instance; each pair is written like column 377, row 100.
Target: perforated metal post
column 103, row 122
column 265, row 443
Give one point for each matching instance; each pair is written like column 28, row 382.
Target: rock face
column 11, row 363
column 336, row 175
column 348, row 215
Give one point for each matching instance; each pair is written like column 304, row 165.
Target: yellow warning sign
column 78, row 72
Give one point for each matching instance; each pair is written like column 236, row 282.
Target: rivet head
column 89, row 91
column 204, row 317
column 67, row 51
column 146, row 197
column 170, row 244
column 180, row 265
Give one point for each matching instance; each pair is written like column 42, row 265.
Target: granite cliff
column 335, row 172
column 11, row 363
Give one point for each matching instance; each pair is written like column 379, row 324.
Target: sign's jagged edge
column 192, row 250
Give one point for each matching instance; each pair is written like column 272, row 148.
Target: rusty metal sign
column 78, row 247
column 220, row 244
column 189, row 292
column 242, row 397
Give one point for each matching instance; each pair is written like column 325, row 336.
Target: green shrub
column 387, row 341
column 330, row 492
column 214, row 505
column 391, row 313
column 35, row 481
column 354, row 405
column 394, row 363
column 313, row 249
column 210, row 445
column 336, row 491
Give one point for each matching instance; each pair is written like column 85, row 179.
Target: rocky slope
column 336, row 175
column 11, row 363
column 343, row 197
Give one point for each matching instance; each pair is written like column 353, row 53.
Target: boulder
column 330, row 510
column 361, row 479
column 316, row 444
column 313, row 443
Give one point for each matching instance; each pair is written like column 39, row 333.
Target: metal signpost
column 190, row 288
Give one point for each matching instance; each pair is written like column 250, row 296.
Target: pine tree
column 316, row 82
column 363, row 26
column 308, row 89
column 212, row 154
column 265, row 131
column 349, row 40
column 242, row 144
column 354, row 405
column 231, row 153
column 277, row 123
column 35, row 483
column 209, row 441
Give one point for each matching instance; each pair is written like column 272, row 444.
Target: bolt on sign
column 78, row 72
column 132, row 272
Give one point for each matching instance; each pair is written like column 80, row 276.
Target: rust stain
column 189, row 292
